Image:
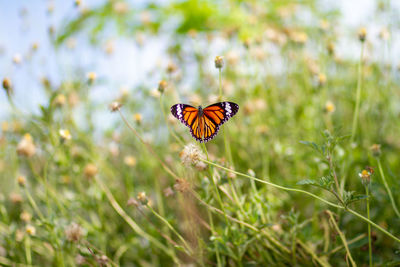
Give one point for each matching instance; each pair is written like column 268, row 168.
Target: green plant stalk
column 369, row 227
column 229, row 151
column 358, row 95
column 396, row 210
column 333, row 221
column 310, row 194
column 135, row 227
column 215, row 186
column 216, row 246
column 33, row 204
column 28, row 254
column 190, row 252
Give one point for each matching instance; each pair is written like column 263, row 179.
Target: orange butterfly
column 204, row 123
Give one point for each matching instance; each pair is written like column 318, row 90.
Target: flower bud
column 362, row 34
column 219, row 62
column 162, row 85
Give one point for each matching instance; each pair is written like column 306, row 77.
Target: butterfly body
column 204, row 123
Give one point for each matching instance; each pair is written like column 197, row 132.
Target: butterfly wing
column 215, row 115
column 189, row 116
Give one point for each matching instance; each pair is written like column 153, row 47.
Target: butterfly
column 204, row 123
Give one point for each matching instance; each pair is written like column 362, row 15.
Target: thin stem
column 358, row 96
column 310, row 194
column 396, row 210
column 28, row 250
column 333, row 221
column 166, row 121
column 220, row 84
column 369, row 227
column 172, row 229
column 215, row 185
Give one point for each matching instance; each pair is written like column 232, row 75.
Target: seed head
column 182, row 185
column 362, row 34
column 73, row 232
column 219, row 62
column 90, row 170
column 7, row 85
column 376, row 150
column 191, row 155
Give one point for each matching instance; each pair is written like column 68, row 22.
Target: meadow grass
column 304, row 174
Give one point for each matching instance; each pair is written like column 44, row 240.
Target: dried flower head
column 182, row 185
column 329, row 107
column 115, row 106
column 65, row 135
column 90, row 170
column 376, row 150
column 168, row 191
column 74, row 232
column 30, row 230
column 162, row 85
column 142, row 198
column 362, row 34
column 26, row 147
column 191, row 155
column 21, row 180
column 219, row 62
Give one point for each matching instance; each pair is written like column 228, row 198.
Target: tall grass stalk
column 396, row 210
column 333, row 221
column 358, row 94
column 369, row 227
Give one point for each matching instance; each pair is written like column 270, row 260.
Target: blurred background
column 79, row 187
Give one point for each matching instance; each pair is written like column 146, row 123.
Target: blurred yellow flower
column 25, row 216
column 362, row 34
column 130, row 161
column 65, row 134
column 21, row 180
column 91, row 76
column 138, row 118
column 30, row 230
column 329, row 107
column 90, row 170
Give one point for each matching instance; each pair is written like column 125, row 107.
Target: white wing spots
column 179, row 112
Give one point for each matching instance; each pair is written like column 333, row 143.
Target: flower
column 321, row 79
column 17, row 59
column 365, row 176
column 329, row 107
column 65, row 134
column 91, row 76
column 30, row 230
column 376, row 150
column 90, row 170
column 138, row 118
column 219, row 62
column 7, row 86
column 26, row 147
column 73, row 232
column 15, row 198
column 384, row 34
column 362, row 34
column 182, row 185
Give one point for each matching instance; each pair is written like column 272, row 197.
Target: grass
column 286, row 182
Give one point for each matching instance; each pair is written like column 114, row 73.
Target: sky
column 128, row 65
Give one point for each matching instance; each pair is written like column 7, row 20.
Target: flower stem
column 396, row 210
column 369, row 227
column 358, row 96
